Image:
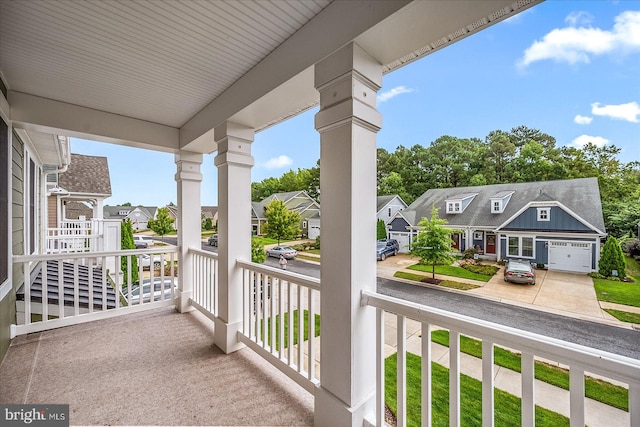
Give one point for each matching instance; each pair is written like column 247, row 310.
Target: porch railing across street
column 280, row 320
column 579, row 359
column 71, row 288
column 205, row 282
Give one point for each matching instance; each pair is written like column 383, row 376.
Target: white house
column 388, row 207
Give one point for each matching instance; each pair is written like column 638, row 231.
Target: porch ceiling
column 161, row 75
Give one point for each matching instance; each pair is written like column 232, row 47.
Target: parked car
column 142, row 242
column 162, row 289
column 386, row 247
column 519, row 271
column 286, row 251
column 145, row 261
column 213, row 240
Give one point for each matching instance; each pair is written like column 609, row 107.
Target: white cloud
column 582, row 120
column 578, row 18
column 628, row 112
column 578, row 44
column 583, row 140
column 278, row 162
column 385, row 96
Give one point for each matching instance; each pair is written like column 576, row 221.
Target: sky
column 570, row 69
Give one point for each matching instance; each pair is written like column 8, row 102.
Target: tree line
column 519, row 155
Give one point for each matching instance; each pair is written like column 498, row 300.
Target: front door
column 491, row 244
column 456, row 241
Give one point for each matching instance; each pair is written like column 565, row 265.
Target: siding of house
column 559, row 221
column 52, row 211
column 399, row 224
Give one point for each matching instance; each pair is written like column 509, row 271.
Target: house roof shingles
column 87, row 175
column 581, row 196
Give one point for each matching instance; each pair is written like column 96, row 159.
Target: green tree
column 612, row 259
column 126, row 242
column 258, row 254
column 381, row 230
column 163, row 223
column 433, row 243
column 207, row 224
column 282, row 223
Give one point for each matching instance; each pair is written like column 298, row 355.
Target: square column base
column 331, row 411
column 182, row 302
column 225, row 336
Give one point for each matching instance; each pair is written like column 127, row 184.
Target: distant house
column 173, row 214
column 298, row 201
column 389, row 206
column 555, row 223
column 138, row 215
column 210, row 212
column 79, row 191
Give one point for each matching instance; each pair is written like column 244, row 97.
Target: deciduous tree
column 282, row 223
column 433, row 243
column 163, row 224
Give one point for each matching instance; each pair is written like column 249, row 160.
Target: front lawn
column 507, row 406
column 624, row 316
column 449, row 270
column 445, row 283
column 264, row 240
column 627, row 293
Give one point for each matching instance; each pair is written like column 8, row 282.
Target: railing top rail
column 80, row 255
column 592, row 360
column 310, row 282
column 202, row 253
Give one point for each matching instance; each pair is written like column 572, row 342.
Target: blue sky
column 568, row 68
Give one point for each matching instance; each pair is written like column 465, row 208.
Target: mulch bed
column 432, row 280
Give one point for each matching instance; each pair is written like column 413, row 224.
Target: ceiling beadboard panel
column 114, row 55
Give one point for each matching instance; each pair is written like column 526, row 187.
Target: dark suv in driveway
column 386, row 247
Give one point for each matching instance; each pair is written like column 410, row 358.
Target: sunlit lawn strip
column 595, row 389
column 449, row 270
column 624, row 316
column 445, row 283
column 295, row 328
column 627, row 293
column 507, row 406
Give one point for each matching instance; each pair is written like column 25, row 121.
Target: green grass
column 627, row 293
column 445, row 283
column 305, row 316
column 308, row 258
column 507, row 406
column 314, row 251
column 449, row 270
column 601, row 391
column 624, row 316
column 264, row 240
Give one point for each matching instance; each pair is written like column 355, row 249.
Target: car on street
column 286, row 251
column 163, row 288
column 145, row 261
column 519, row 271
column 213, row 240
column 142, row 242
column 386, row 247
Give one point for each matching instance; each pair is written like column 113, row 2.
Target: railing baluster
column 90, row 289
column 454, row 378
column 45, row 292
column 576, row 396
column 401, row 357
column 487, row 384
column 311, row 347
column 60, row 289
column 26, row 274
column 281, row 340
column 269, row 284
column 426, row 369
column 76, row 289
column 528, row 390
column 290, row 324
column 380, row 401
column 300, row 331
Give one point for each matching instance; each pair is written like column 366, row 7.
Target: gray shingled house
column 555, row 223
column 138, row 215
column 298, row 201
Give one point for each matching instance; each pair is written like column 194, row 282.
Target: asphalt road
column 625, row 342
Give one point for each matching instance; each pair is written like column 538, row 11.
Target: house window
column 389, row 213
column 520, row 246
column 304, row 224
column 496, row 206
column 544, row 214
column 477, row 235
column 453, row 207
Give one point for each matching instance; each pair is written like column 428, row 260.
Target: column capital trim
column 348, row 111
column 351, row 57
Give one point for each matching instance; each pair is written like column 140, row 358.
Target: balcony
column 140, row 360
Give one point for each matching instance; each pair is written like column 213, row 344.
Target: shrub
column 486, row 270
column 469, row 253
column 317, row 244
column 467, row 261
column 632, row 247
column 612, row 259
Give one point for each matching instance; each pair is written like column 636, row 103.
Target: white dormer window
column 124, row 212
column 544, row 214
column 496, row 206
column 453, row 207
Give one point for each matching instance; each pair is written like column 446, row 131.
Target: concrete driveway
column 554, row 291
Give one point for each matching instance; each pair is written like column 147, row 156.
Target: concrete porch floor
column 157, row 367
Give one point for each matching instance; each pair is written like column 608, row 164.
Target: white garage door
column 403, row 240
column 570, row 256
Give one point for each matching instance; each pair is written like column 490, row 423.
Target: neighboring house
column 298, row 201
column 173, row 214
column 389, row 206
column 138, row 215
column 210, row 212
column 555, row 223
column 78, row 190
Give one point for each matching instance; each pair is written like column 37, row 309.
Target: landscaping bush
column 487, row 270
column 632, row 247
column 469, row 253
column 612, row 259
column 317, row 244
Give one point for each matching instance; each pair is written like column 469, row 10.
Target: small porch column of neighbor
column 188, row 177
column 348, row 121
column 234, row 162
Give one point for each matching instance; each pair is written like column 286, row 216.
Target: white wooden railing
column 277, row 304
column 62, row 290
column 71, row 236
column 578, row 358
column 205, row 282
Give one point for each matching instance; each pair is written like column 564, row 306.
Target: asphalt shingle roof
column 86, row 174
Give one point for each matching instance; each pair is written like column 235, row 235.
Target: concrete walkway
column 546, row 395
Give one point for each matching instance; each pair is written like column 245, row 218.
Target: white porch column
column 188, row 177
column 98, row 209
column 348, row 122
column 234, row 162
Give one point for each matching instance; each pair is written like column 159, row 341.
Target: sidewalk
column 546, row 395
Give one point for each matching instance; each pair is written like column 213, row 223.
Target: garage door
column 570, row 256
column 403, row 240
